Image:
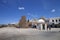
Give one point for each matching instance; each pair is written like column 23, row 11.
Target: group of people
column 48, row 27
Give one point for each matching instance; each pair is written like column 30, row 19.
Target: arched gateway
column 40, row 24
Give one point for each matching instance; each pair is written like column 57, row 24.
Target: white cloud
column 21, row 8
column 53, row 10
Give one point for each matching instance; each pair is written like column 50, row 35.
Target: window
column 52, row 20
column 52, row 23
column 56, row 20
column 59, row 20
column 55, row 26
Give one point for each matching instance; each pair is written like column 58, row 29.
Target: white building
column 43, row 23
column 40, row 24
column 55, row 20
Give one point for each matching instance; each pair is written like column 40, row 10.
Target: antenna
column 31, row 15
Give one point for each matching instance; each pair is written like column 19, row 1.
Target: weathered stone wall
column 23, row 23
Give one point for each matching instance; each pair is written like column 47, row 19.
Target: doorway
column 43, row 26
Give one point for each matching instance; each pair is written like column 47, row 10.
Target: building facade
column 55, row 22
column 46, row 23
column 41, row 23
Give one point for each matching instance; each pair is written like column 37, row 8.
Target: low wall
column 55, row 29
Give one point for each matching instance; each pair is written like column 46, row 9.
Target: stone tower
column 22, row 22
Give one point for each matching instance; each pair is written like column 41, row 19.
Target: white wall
column 55, row 29
column 50, row 20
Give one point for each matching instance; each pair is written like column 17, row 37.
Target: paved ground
column 28, row 34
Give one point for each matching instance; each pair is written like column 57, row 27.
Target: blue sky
column 12, row 10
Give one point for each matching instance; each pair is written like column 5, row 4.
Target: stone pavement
column 27, row 34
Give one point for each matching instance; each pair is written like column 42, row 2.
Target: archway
column 43, row 26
